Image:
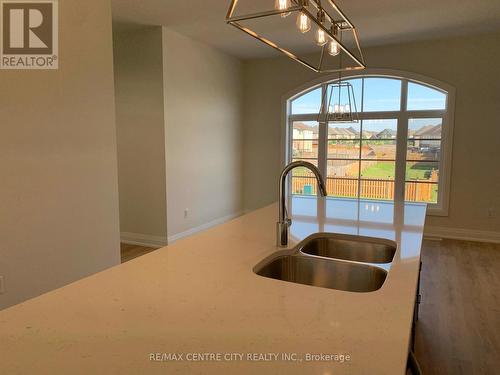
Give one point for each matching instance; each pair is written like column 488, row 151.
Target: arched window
column 400, row 148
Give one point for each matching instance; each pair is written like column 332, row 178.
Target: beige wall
column 471, row 65
column 203, row 96
column 58, row 190
column 138, row 62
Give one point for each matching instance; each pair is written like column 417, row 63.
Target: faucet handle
column 282, row 232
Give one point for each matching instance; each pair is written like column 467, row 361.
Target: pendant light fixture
column 321, row 37
column 318, row 22
column 333, row 46
column 339, row 102
column 303, row 23
column 283, row 5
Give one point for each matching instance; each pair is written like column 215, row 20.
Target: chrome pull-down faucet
column 283, row 220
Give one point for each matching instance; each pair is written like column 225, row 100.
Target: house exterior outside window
column 399, row 150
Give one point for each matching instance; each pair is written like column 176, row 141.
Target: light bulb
column 320, row 37
column 282, row 5
column 333, row 48
column 303, row 23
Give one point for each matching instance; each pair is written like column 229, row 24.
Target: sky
column 380, row 94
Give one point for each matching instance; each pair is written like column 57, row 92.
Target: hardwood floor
column 458, row 331
column 129, row 252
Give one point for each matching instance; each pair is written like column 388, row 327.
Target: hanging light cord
column 326, row 106
column 340, row 60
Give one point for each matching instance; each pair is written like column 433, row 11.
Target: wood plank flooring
column 458, row 331
column 129, row 252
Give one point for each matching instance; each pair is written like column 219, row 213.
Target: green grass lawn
column 434, row 197
column 419, row 171
column 301, row 171
column 380, row 171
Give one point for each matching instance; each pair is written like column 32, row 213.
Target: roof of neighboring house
column 386, row 133
column 429, row 131
column 345, row 132
column 349, row 132
column 369, row 134
column 302, row 126
column 305, row 127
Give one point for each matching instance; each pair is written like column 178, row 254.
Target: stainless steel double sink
column 334, row 261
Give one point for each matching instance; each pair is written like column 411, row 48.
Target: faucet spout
column 283, row 220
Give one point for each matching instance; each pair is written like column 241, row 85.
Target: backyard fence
column 370, row 188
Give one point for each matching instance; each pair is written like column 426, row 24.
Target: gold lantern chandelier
column 318, row 22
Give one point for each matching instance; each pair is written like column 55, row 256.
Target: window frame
column 403, row 117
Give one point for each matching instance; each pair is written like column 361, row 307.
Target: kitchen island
column 197, row 307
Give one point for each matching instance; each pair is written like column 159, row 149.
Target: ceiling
column 378, row 22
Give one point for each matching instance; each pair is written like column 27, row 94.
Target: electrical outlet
column 186, row 213
column 492, row 212
column 2, row 285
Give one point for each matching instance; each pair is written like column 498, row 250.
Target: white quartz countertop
column 200, row 295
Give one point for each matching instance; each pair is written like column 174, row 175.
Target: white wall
column 58, row 168
column 138, row 62
column 203, row 96
column 470, row 64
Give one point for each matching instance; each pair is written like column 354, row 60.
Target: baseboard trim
column 431, row 232
column 143, row 239
column 211, row 224
column 462, row 234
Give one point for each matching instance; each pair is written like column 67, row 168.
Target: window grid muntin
column 402, row 116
